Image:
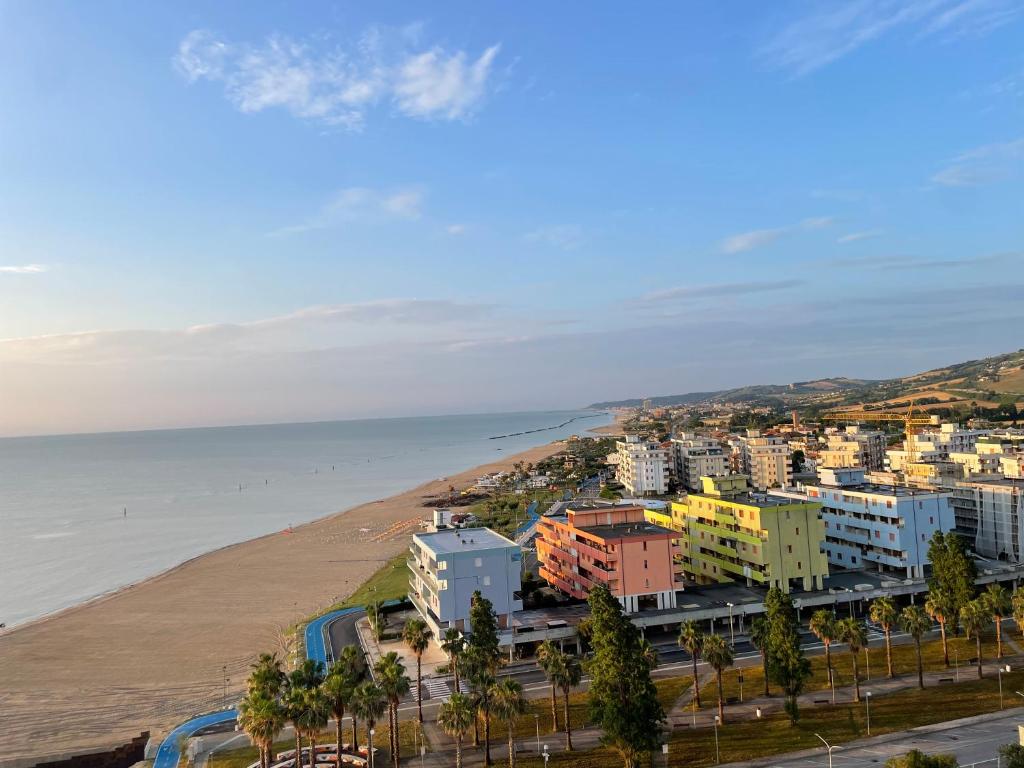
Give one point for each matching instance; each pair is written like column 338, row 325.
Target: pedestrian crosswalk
column 437, row 688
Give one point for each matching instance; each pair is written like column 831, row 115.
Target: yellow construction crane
column 911, row 423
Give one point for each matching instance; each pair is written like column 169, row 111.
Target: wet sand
column 149, row 655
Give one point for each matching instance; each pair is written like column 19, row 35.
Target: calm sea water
column 64, row 536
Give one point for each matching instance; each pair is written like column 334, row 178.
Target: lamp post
column 867, row 708
column 1000, row 675
column 536, row 721
column 867, row 660
column 732, row 634
column 664, row 751
column 956, row 664
column 829, row 747
column 546, row 756
column 718, row 754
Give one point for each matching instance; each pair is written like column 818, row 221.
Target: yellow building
column 730, row 532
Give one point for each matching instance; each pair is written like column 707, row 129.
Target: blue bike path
column 167, row 756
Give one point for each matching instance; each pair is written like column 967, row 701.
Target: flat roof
column 463, row 540
column 627, row 530
column 762, row 500
column 878, row 488
column 1013, row 482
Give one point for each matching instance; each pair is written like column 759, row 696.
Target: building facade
column 766, row 461
column 990, row 513
column 728, row 533
column 888, row 527
column 695, row 457
column 448, row 566
column 642, row 466
column 614, row 545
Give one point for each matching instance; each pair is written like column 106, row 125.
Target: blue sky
column 231, row 212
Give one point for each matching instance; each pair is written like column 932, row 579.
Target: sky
column 236, row 212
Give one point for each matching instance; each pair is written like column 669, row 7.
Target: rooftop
column 1015, row 482
column 880, row 489
column 760, row 500
column 465, row 540
column 627, row 530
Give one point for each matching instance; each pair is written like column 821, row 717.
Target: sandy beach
column 149, row 655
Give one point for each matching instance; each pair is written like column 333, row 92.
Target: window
column 922, row 537
column 931, row 520
column 478, row 561
column 645, row 564
column 878, row 535
column 645, row 546
column 789, row 548
column 487, row 581
column 798, row 530
column 799, row 565
column 892, row 537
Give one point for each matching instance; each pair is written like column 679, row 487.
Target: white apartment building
column 840, row 452
column 642, row 466
column 766, row 460
column 695, row 456
column 990, row 513
column 1012, row 465
column 447, row 567
column 868, row 525
column 948, row 438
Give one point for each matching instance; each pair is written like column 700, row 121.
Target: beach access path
column 151, row 655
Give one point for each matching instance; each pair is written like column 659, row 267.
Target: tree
column 311, row 717
column 915, row 622
column 1017, row 602
column 483, row 629
column 417, row 636
column 759, row 634
column 548, row 657
column 1013, row 755
column 718, row 655
column 338, row 687
column 304, row 679
column 267, row 676
column 823, row 625
column 852, row 632
column 1000, row 606
column 788, row 667
column 477, row 672
column 453, row 644
column 454, row 718
column 568, row 674
column 953, row 572
column 389, row 672
column 262, row 718
column 974, row 616
column 622, row 698
column 509, row 704
column 939, row 605
column 885, row 614
column 917, row 759
column 369, row 703
column 691, row 639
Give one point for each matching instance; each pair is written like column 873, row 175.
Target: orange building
column 593, row 543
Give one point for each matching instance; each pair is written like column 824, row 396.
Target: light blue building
column 870, row 525
column 448, row 566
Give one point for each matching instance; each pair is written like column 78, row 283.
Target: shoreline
column 145, row 655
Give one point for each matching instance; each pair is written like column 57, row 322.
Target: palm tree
column 338, row 688
column 568, row 676
column 369, row 703
column 759, row 630
column 691, row 639
column 853, row 633
column 939, row 606
column 417, row 636
column 390, row 674
column 262, row 718
column 453, row 643
column 351, row 663
column 481, row 683
column 974, row 616
column 1017, row 601
column 648, row 653
column 885, row 614
column 509, row 704
column 454, row 717
column 1000, row 606
column 267, row 675
column 548, row 657
column 306, row 677
column 718, row 654
column 915, row 622
column 823, row 625
column 313, row 713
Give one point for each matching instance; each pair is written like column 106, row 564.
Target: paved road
column 972, row 743
column 342, row 631
column 167, row 756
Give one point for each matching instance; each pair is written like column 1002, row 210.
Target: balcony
column 598, row 554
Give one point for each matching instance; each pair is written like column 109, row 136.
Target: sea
column 84, row 515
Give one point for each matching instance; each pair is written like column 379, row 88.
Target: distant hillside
column 986, row 382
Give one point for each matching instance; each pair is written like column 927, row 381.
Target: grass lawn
column 390, row 582
column 841, row 723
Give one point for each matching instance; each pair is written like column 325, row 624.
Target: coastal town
column 883, row 545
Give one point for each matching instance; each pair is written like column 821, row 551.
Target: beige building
column 642, row 466
column 766, row 460
column 695, row 456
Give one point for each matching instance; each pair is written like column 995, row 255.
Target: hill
column 986, row 382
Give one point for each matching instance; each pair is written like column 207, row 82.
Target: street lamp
column 956, row 664
column 718, row 754
column 829, row 747
column 664, row 751
column 1000, row 675
column 536, row 720
column 546, row 756
column 732, row 635
column 867, row 707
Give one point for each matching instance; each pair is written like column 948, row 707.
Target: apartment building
column 729, row 532
column 766, row 461
column 694, row 457
column 854, row 447
column 592, row 543
column 642, row 466
column 839, row 453
column 870, row 525
column 1012, row 465
column 990, row 514
column 448, row 566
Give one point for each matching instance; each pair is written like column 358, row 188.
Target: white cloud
column 836, row 30
column 982, row 165
column 455, row 229
column 361, row 204
column 747, row 241
column 818, row 222
column 23, row 269
column 338, row 86
column 853, row 237
column 720, row 289
column 435, row 84
column 565, row 237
